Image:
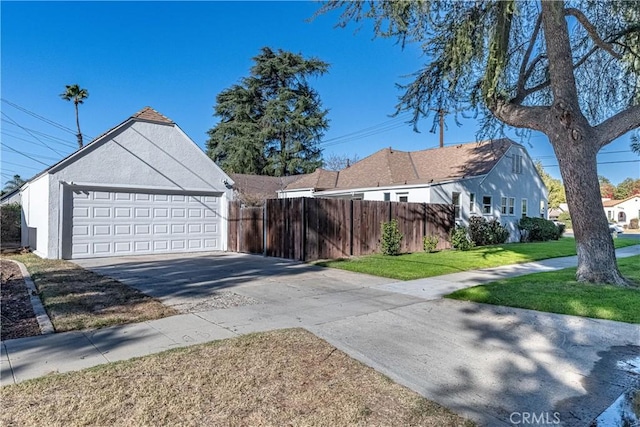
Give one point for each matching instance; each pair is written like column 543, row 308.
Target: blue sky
column 177, row 56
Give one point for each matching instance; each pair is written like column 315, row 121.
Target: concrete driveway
column 180, row 280
column 497, row 365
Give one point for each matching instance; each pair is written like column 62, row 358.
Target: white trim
column 146, row 188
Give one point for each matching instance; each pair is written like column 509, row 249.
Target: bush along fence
column 309, row 229
column 10, row 223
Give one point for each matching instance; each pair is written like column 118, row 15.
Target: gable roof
column 147, row 114
column 389, row 167
column 612, row 203
column 259, row 186
column 320, row 179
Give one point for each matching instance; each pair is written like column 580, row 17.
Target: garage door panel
column 118, row 223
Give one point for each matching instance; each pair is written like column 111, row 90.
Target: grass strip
column 287, row 377
column 421, row 264
column 559, row 292
column 76, row 299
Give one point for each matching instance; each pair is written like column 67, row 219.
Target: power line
column 365, row 132
column 32, row 135
column 53, row 139
column 44, row 119
column 602, row 152
column 599, row 163
column 23, row 154
column 19, row 165
column 37, row 116
column 8, row 135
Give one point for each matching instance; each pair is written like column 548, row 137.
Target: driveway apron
column 497, row 365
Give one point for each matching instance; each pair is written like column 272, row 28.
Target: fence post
column 265, row 224
column 351, row 227
column 303, row 240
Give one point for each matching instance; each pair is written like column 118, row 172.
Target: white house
column 494, row 179
column 142, row 187
column 12, row 196
column 622, row 211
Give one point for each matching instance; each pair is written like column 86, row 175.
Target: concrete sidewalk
column 482, row 361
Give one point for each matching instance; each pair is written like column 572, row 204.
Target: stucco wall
column 36, row 205
column 630, row 209
column 500, row 182
column 140, row 156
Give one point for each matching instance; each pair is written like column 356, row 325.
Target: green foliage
column 418, row 265
column 483, row 232
column 391, row 238
column 627, row 188
column 10, row 215
column 555, row 187
column 559, row 292
column 76, row 94
column 538, row 230
column 271, row 122
column 13, row 183
column 460, row 238
column 429, row 243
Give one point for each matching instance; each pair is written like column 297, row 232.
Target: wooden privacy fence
column 312, row 228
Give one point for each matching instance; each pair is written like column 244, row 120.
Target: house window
column 516, row 167
column 524, row 208
column 542, row 209
column 472, row 202
column 455, row 200
column 610, row 215
column 512, row 206
column 486, row 205
column 402, row 197
column 503, row 205
column 357, row 196
column 387, row 197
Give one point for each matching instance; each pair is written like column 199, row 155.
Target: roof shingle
column 151, row 115
column 389, row 167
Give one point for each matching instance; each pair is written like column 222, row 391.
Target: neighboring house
column 622, row 211
column 554, row 213
column 12, row 196
column 494, row 179
column 252, row 190
column 142, row 187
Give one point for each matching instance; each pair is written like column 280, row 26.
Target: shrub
column 633, row 224
column 561, row 229
column 460, row 238
column 483, row 232
column 10, row 223
column 539, row 230
column 391, row 238
column 565, row 218
column 430, row 242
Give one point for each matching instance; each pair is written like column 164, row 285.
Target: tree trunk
column 79, row 135
column 596, row 252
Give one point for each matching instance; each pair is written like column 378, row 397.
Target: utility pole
column 441, row 112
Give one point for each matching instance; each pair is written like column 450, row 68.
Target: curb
column 46, row 327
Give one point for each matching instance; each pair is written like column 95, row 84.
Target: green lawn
column 558, row 292
column 420, row 264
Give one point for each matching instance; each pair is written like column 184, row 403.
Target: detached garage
column 143, row 187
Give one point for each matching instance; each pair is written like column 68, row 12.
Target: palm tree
column 78, row 95
column 12, row 184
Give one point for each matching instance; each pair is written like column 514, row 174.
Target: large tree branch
column 524, row 73
column 593, row 33
column 519, row 116
column 618, row 125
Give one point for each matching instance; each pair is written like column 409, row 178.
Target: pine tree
column 272, row 122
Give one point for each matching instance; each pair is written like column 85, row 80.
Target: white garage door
column 109, row 223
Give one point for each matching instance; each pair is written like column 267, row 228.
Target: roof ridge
column 152, row 115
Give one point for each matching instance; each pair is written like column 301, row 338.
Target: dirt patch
column 277, row 378
column 76, row 299
column 18, row 318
